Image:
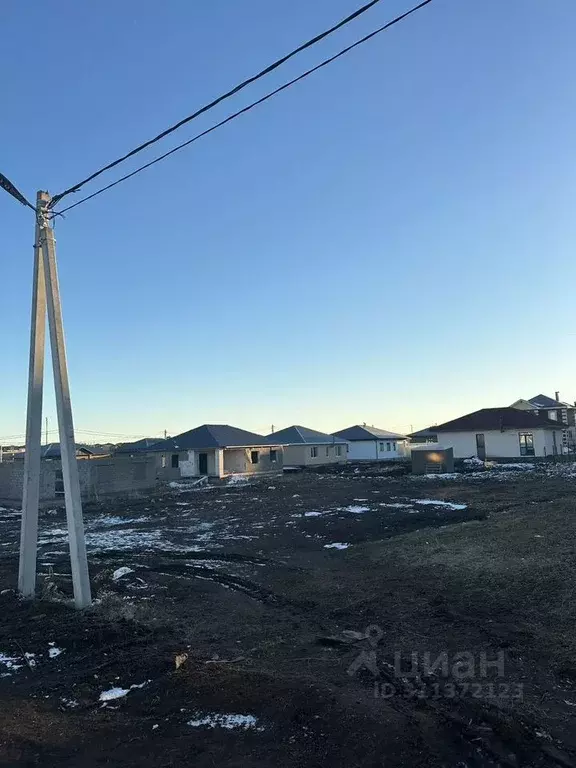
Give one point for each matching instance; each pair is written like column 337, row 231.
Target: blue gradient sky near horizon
column 390, row 241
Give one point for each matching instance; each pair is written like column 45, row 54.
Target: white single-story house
column 498, row 433
column 304, row 447
column 216, row 450
column 373, row 444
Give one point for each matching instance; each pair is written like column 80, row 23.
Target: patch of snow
column 54, row 652
column 440, row 503
column 123, row 571
column 312, row 514
column 295, row 495
column 271, row 487
column 357, row 510
column 443, row 476
column 114, row 693
column 238, row 480
column 359, row 499
column 10, row 662
column 226, row 721
column 69, row 702
column 474, row 461
column 193, row 486
column 395, row 505
column 118, row 693
column 525, row 467
column 116, row 520
column 336, row 545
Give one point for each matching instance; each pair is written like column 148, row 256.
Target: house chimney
column 557, row 394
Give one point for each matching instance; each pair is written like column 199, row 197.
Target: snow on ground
column 446, row 476
column 395, row 505
column 118, row 693
column 524, row 467
column 10, row 663
column 225, row 721
column 238, row 480
column 439, row 503
column 116, row 520
column 336, row 545
column 54, row 652
column 114, row 693
column 123, row 571
column 355, row 508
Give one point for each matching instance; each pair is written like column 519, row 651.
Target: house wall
column 99, row 478
column 501, row 444
column 238, row 460
column 301, row 455
column 376, row 450
column 167, row 472
column 232, row 460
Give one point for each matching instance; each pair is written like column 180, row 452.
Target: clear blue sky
column 390, row 241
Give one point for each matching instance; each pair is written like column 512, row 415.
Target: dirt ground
column 354, row 618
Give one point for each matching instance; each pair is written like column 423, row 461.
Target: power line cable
column 239, row 112
column 7, row 185
column 221, row 98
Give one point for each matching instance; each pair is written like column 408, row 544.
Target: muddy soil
column 328, row 619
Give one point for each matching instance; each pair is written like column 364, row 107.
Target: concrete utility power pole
column 46, row 298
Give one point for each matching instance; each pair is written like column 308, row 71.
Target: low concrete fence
column 99, row 478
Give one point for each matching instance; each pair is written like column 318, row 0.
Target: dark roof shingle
column 145, row 444
column 210, row 436
column 364, row 432
column 301, row 435
column 543, row 401
column 497, row 419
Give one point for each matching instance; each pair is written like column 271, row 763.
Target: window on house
column 388, row 448
column 314, row 452
column 381, row 446
column 273, row 455
column 175, row 461
column 553, row 415
column 394, row 446
column 163, row 461
column 526, row 444
column 338, row 450
column 254, row 457
column 327, row 450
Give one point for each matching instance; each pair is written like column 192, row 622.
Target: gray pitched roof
column 210, row 436
column 498, row 419
column 543, row 401
column 301, row 435
column 52, row 451
column 428, row 432
column 145, row 444
column 364, row 432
